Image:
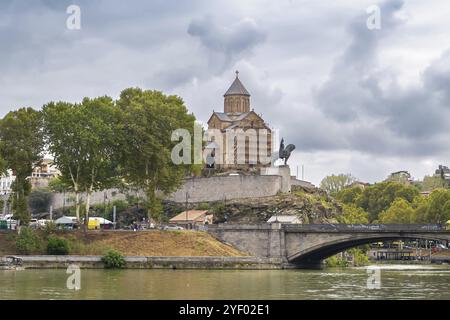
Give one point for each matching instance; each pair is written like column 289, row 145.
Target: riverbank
column 152, row 243
column 162, row 262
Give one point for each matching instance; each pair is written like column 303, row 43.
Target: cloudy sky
column 353, row 100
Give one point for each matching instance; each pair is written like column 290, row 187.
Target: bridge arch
column 306, row 246
column 313, row 256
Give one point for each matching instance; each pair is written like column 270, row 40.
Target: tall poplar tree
column 81, row 139
column 21, row 147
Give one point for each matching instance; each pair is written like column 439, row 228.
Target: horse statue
column 285, row 153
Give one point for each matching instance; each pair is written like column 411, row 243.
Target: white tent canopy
column 65, row 220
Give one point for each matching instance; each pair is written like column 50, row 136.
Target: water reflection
column 397, row 282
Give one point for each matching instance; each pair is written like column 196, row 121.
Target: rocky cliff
column 311, row 205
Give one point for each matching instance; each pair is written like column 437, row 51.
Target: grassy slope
column 129, row 243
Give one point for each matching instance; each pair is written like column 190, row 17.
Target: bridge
column 307, row 245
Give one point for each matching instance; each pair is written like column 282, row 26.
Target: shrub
column 203, row 206
column 113, row 260
column 57, row 246
column 360, row 258
column 28, row 241
column 336, row 261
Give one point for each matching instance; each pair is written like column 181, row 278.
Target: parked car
column 173, row 228
column 9, row 222
column 34, row 223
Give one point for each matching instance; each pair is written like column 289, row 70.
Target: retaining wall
column 94, row 262
column 202, row 189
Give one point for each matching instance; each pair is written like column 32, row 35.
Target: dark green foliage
column 349, row 195
column 438, row 210
column 113, row 260
column 58, row 184
column 144, row 142
column 21, row 146
column 28, row 241
column 57, row 246
column 379, row 197
column 393, row 202
column 203, row 206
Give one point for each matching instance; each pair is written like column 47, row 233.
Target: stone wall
column 227, row 187
column 203, row 189
column 141, row 262
column 260, row 240
column 284, row 172
column 99, row 197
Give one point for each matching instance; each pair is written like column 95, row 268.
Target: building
column 285, row 219
column 443, row 172
column 401, row 177
column 239, row 137
column 6, row 181
column 359, row 184
column 39, row 178
column 43, row 173
column 192, row 218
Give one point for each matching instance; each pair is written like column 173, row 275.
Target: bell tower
column 237, row 98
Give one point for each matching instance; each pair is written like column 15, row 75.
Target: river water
column 395, row 282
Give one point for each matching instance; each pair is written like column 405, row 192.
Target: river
column 396, row 282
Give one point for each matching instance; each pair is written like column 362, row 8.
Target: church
column 240, row 139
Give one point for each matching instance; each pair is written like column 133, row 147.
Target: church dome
column 237, row 88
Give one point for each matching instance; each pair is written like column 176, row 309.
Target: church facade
column 239, row 138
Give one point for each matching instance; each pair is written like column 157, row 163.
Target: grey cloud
column 355, row 108
column 379, row 119
column 230, row 41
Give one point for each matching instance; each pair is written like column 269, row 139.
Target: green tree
column 353, row 214
column 63, row 133
column 57, row 184
column 335, row 183
column 400, row 211
column 100, row 164
column 145, row 144
column 21, row 146
column 439, row 206
column 81, row 139
column 379, row 197
column 420, row 205
column 349, row 195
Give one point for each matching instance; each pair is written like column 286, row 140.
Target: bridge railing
column 364, row 227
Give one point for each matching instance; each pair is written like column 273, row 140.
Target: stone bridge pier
column 306, row 246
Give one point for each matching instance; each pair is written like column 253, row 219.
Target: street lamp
column 187, row 209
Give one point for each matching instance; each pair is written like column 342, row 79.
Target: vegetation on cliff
column 309, row 205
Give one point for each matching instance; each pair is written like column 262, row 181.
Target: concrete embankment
column 138, row 262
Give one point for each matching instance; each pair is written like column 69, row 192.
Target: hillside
column 310, row 205
column 142, row 243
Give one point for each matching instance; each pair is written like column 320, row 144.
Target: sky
column 352, row 99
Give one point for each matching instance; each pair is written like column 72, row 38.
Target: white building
column 39, row 178
column 6, row 182
column 287, row 219
column 43, row 174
